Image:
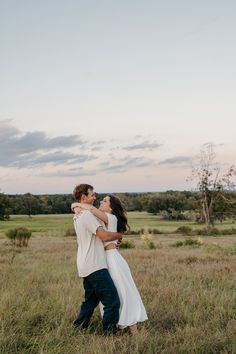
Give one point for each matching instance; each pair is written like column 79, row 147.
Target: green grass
column 189, row 293
column 48, row 225
column 54, row 225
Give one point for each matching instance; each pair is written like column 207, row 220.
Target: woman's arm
column 96, row 212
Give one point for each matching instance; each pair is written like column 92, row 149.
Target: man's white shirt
column 90, row 255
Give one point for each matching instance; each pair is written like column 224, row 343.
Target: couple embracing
column 107, row 279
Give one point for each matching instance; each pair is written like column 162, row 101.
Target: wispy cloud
column 177, row 161
column 70, row 173
column 125, row 164
column 143, row 146
column 55, row 158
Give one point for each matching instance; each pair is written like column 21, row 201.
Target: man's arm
column 107, row 235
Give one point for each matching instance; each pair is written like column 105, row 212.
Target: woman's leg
column 133, row 329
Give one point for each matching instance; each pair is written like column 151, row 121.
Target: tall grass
column 189, row 294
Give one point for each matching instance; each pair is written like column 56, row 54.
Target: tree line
column 170, row 205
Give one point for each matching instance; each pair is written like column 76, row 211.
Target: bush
column 19, row 236
column 184, row 230
column 212, row 232
column 70, row 232
column 133, row 232
column 231, row 231
column 153, row 231
column 172, row 214
column 191, row 242
column 178, row 244
column 148, row 240
column 127, row 244
column 188, row 242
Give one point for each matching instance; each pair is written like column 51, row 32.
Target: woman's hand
column 85, row 206
column 118, row 244
column 76, row 208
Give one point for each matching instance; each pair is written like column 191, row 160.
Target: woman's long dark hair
column 119, row 211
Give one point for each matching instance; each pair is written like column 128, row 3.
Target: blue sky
column 121, row 94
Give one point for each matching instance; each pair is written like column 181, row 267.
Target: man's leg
column 106, row 292
column 88, row 305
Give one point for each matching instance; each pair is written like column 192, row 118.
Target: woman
column 112, row 213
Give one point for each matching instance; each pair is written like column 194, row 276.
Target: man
column 92, row 265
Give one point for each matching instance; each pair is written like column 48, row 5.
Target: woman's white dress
column 132, row 309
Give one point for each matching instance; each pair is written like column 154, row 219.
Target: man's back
column 91, row 255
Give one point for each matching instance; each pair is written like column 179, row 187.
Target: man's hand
column 107, row 235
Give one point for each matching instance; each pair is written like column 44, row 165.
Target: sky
column 117, row 94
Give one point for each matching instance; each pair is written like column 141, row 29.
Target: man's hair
column 81, row 189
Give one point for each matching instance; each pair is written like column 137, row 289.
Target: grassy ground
column 56, row 225
column 189, row 294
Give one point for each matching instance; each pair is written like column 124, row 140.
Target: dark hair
column 119, row 211
column 81, row 189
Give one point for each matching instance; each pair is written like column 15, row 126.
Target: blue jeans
column 98, row 287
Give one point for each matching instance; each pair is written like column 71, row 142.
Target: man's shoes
column 79, row 324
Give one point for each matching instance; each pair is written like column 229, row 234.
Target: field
column 189, row 292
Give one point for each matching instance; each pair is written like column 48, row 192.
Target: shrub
column 191, row 242
column 172, row 214
column 132, row 232
column 70, row 232
column 184, row 230
column 19, row 236
column 231, row 231
column 178, row 244
column 212, row 232
column 153, row 231
column 127, row 244
column 188, row 242
column 11, row 234
column 148, row 240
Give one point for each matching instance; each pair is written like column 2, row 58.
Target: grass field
column 189, row 292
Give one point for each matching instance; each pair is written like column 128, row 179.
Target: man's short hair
column 81, row 189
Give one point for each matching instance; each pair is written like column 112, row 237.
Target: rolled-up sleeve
column 91, row 222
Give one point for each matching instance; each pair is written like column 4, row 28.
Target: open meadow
column 189, row 291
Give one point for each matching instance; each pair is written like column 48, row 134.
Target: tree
column 4, row 207
column 30, row 204
column 211, row 184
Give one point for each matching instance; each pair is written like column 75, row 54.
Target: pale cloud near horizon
column 52, row 157
column 177, row 161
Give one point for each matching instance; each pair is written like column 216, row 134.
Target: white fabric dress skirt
column 131, row 306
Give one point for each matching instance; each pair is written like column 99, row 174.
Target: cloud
column 7, row 130
column 33, row 148
column 55, row 158
column 36, row 149
column 70, row 173
column 34, row 141
column 178, row 160
column 143, row 146
column 126, row 164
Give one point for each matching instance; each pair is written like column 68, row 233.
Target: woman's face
column 105, row 205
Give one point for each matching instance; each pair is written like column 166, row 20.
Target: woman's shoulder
column 111, row 217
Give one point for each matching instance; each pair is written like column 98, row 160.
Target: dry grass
column 189, row 294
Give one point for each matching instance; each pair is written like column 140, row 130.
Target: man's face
column 90, row 198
